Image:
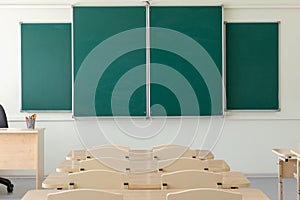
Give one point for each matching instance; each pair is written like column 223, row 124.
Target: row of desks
column 248, row 194
column 133, row 154
column 288, row 167
column 144, row 185
column 211, row 165
column 147, row 180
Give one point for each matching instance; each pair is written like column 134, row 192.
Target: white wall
column 245, row 139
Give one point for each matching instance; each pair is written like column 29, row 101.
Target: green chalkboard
column 252, row 66
column 109, row 61
column 186, row 60
column 46, row 69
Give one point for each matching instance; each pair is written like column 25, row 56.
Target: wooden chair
column 166, row 146
column 119, row 165
column 113, row 146
column 80, row 194
column 174, row 151
column 113, row 164
column 97, row 179
column 109, row 152
column 172, row 165
column 189, row 179
column 204, row 194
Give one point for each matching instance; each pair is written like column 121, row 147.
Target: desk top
column 286, row 153
column 248, row 194
column 146, row 180
column 74, row 166
column 133, row 154
column 18, row 130
column 296, row 152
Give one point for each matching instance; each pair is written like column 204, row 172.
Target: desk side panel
column 18, row 151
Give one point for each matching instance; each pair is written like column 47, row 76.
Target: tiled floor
column 268, row 185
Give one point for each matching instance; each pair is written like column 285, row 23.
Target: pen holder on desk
column 30, row 123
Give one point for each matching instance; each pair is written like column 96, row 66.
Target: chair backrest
column 97, row 179
column 80, row 194
column 172, row 165
column 109, row 152
column 204, row 194
column 174, row 151
column 190, row 179
column 112, row 146
column 3, row 118
column 113, row 164
column 166, row 146
column 119, row 165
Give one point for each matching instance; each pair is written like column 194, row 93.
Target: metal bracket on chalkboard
column 146, row 1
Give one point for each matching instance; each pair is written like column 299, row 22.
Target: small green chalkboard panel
column 109, row 61
column 46, row 66
column 186, row 60
column 252, row 66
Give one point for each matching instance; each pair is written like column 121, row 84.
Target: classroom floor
column 268, row 185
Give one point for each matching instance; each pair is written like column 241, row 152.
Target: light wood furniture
column 134, row 155
column 205, row 155
column 23, row 149
column 296, row 152
column 190, row 163
column 108, row 163
column 109, row 152
column 287, row 166
column 173, row 152
column 247, row 193
column 205, row 194
column 190, row 179
column 202, row 154
column 78, row 155
column 167, row 145
column 113, row 146
column 113, row 164
column 144, row 165
column 81, row 194
column 147, row 180
column 96, row 179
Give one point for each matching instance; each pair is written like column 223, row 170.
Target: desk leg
column 298, row 179
column 280, row 172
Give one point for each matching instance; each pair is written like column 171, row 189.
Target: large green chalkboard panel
column 186, row 60
column 109, row 61
column 252, row 66
column 46, row 66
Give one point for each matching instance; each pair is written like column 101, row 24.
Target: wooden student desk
column 296, row 152
column 287, row 167
column 133, row 154
column 248, row 194
column 213, row 165
column 59, row 180
column 23, row 149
